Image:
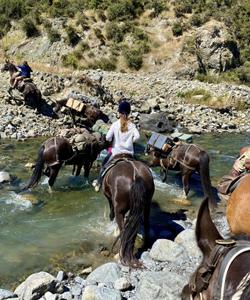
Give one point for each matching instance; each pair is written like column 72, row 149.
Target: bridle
column 224, row 253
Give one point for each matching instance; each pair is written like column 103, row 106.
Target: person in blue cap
column 24, row 72
column 122, row 133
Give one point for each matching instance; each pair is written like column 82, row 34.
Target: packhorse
column 129, row 187
column 186, row 158
column 90, row 113
column 224, row 272
column 238, row 209
column 31, row 94
column 57, row 151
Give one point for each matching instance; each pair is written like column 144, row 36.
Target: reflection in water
column 70, row 227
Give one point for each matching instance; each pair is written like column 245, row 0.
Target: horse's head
column 205, row 282
column 8, row 66
column 154, row 156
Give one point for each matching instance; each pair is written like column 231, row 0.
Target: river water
column 69, row 228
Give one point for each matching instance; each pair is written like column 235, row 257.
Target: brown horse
column 129, row 187
column 31, row 94
column 224, row 272
column 89, row 115
column 238, row 208
column 57, row 151
column 186, row 158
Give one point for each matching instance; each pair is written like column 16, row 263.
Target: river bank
column 153, row 96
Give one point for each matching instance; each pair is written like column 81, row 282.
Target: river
column 69, row 228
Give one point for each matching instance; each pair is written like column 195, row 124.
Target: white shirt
column 122, row 141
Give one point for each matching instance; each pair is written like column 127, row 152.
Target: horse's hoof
column 182, row 201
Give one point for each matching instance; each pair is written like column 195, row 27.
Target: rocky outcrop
column 216, row 48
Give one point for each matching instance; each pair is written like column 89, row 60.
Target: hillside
column 190, row 39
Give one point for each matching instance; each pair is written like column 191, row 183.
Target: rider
column 241, row 164
column 123, row 133
column 24, row 72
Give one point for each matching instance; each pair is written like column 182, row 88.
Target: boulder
column 4, row 177
column 35, row 286
column 106, row 273
column 216, row 48
column 100, row 293
column 157, row 122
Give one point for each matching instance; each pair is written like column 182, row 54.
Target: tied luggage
column 75, row 104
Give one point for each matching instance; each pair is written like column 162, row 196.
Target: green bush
column 72, row 36
column 13, row 9
column 69, row 60
column 114, row 32
column 177, row 29
column 133, row 58
column 4, row 25
column 122, row 10
column 29, row 27
column 158, row 7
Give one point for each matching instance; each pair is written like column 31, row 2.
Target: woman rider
column 122, row 133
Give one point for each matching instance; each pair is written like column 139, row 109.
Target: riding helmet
column 124, row 108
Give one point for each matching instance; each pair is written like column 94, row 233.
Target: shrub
column 133, row 58
column 13, row 9
column 158, row 6
column 190, row 96
column 114, row 32
column 53, row 35
column 29, row 27
column 72, row 36
column 122, row 10
column 69, row 60
column 4, row 25
column 177, row 29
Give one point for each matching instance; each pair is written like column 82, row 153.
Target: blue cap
column 124, row 108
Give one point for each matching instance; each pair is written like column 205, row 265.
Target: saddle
column 229, row 183
column 118, row 158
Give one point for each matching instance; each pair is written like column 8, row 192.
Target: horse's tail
column 205, row 179
column 138, row 197
column 37, row 173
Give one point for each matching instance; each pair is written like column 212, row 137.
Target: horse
column 90, row 113
column 57, row 151
column 224, row 272
column 186, row 158
column 31, row 94
column 129, row 187
column 238, row 210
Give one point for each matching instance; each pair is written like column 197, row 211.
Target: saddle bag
column 75, row 104
column 159, row 141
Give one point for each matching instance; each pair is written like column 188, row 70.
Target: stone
column 4, row 294
column 187, row 239
column 122, row 284
column 108, row 272
column 35, row 286
column 4, row 177
column 100, row 293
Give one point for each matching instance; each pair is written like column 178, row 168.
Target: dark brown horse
column 238, row 208
column 129, row 188
column 89, row 115
column 31, row 94
column 224, row 272
column 57, row 151
column 186, row 158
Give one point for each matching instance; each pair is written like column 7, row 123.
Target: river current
column 69, row 229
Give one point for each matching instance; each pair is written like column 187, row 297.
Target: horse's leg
column 185, row 182
column 47, row 172
column 78, row 169
column 87, row 167
column 112, row 212
column 53, row 174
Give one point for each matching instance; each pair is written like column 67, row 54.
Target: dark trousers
column 103, row 167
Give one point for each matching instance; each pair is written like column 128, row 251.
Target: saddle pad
column 75, row 104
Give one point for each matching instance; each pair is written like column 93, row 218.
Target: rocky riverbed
column 154, row 97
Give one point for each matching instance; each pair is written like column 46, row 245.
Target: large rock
column 4, row 177
column 157, row 122
column 100, row 293
column 5, row 294
column 186, row 238
column 106, row 273
column 216, row 48
column 35, row 286
column 163, row 285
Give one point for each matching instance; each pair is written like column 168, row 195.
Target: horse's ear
column 206, row 232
